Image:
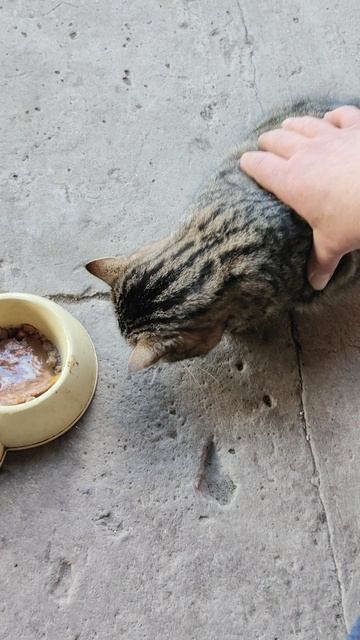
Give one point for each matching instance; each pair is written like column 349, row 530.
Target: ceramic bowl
column 55, row 411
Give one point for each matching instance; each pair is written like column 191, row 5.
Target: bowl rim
column 43, row 301
column 22, row 447
column 4, row 449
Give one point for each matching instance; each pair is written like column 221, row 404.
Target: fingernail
column 318, row 281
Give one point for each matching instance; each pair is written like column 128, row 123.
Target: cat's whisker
column 154, row 376
column 206, row 371
column 191, row 375
column 215, row 392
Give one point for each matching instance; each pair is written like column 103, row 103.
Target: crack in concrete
column 298, row 351
column 58, row 5
column 74, row 298
column 249, row 44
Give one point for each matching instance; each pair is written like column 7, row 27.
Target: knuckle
column 265, row 138
column 344, row 110
column 340, row 110
column 261, row 139
column 348, row 108
column 306, row 120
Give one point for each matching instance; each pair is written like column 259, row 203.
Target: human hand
column 313, row 165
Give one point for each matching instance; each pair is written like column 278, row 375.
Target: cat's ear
column 144, row 356
column 107, row 269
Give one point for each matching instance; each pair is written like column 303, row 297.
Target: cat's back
column 241, row 199
column 230, row 189
column 229, row 170
column 245, row 214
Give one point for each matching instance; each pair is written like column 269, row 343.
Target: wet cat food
column 29, row 364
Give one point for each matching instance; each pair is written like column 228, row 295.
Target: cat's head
column 151, row 328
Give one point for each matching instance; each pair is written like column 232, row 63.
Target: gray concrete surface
column 112, row 113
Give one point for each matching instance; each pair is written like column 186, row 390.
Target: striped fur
column 240, row 257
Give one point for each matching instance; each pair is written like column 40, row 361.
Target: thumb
column 322, row 265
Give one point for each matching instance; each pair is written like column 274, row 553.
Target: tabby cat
column 239, row 258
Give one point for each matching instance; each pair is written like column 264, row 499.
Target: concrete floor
column 112, row 113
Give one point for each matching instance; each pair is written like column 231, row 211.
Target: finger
column 307, row 126
column 342, row 117
column 282, row 143
column 267, row 169
column 321, row 266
